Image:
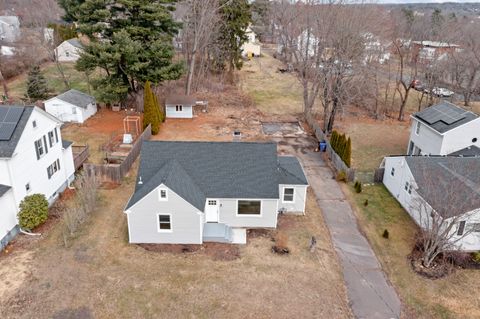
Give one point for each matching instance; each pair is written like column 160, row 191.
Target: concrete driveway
column 369, row 292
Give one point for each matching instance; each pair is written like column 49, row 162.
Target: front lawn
column 455, row 296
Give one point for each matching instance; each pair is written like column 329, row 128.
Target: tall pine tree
column 37, row 88
column 131, row 40
column 236, row 16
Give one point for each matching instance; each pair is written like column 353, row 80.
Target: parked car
column 418, row 85
column 442, row 92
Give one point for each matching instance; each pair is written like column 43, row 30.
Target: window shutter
column 50, row 138
column 49, row 172
column 58, row 164
column 56, row 135
column 36, row 149
column 461, row 228
column 45, row 143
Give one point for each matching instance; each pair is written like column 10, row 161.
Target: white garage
column 72, row 106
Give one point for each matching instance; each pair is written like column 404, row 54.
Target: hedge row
column 342, row 146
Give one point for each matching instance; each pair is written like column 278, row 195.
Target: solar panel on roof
column 9, row 120
column 6, row 131
column 13, row 115
column 3, row 113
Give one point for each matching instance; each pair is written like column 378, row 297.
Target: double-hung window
column 52, row 137
column 53, row 168
column 164, row 222
column 288, row 194
column 39, row 148
column 178, row 108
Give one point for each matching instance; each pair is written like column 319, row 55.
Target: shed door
column 211, row 213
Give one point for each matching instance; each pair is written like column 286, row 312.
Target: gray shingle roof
column 7, row 148
column 180, row 99
column 467, row 152
column 3, row 189
column 290, row 171
column 76, row 43
column 451, row 185
column 197, row 170
column 445, row 116
column 77, row 98
column 66, row 144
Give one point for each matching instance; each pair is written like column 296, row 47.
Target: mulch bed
column 217, row 251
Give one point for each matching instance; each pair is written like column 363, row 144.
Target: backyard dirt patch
column 282, row 129
column 217, row 251
column 97, row 132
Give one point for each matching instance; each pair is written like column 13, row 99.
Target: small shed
column 72, row 106
column 179, row 106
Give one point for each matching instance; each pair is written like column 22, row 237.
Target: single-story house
column 72, row 106
column 179, row 106
column 69, row 50
column 9, row 28
column 195, row 192
column 448, row 186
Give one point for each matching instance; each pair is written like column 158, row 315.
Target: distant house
column 251, row 47
column 429, row 51
column 179, row 106
column 195, row 192
column 9, row 28
column 7, row 51
column 427, row 181
column 72, row 106
column 375, row 49
column 69, row 50
column 443, row 129
column 33, row 159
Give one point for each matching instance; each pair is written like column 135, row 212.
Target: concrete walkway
column 370, row 294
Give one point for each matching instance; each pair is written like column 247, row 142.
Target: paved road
column 370, row 294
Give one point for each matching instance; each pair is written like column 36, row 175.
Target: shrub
column 365, row 203
column 358, row 187
column 33, row 211
column 342, row 176
column 347, row 155
column 281, row 243
column 476, row 257
column 386, row 234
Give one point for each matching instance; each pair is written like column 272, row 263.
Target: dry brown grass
column 272, row 92
column 455, row 296
column 103, row 275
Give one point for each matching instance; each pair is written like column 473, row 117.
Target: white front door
column 211, row 213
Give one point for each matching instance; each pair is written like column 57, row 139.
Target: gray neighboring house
column 9, row 28
column 195, row 192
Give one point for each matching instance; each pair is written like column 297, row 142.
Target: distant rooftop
column 175, row 99
column 445, row 116
column 436, row 44
column 76, row 43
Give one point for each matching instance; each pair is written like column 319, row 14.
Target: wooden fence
column 116, row 172
column 80, row 155
column 334, row 157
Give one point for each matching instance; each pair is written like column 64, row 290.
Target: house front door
column 211, row 213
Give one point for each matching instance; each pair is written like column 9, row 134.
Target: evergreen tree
column 333, row 140
column 342, row 146
column 348, row 153
column 131, row 40
column 236, row 16
column 150, row 109
column 37, row 88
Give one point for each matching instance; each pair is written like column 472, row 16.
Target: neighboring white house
column 251, row 46
column 72, row 106
column 9, row 28
column 423, row 183
column 69, row 50
column 7, row 51
column 179, row 106
column 33, row 159
column 443, row 129
column 194, row 192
